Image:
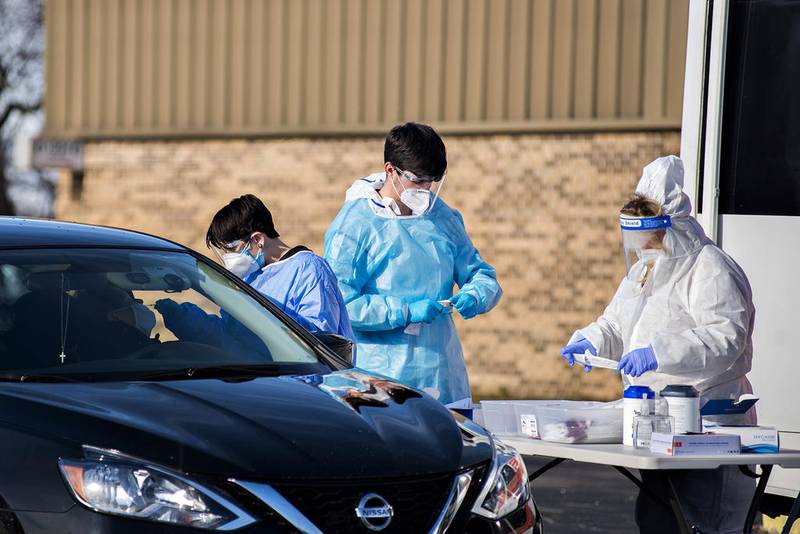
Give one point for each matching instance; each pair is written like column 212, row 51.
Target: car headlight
column 506, row 488
column 109, row 482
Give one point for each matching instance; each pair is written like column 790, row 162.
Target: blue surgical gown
column 303, row 286
column 383, row 264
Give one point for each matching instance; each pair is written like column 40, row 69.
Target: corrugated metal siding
column 118, row 68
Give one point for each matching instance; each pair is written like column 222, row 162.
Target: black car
column 235, row 419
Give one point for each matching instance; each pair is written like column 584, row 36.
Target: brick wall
column 541, row 208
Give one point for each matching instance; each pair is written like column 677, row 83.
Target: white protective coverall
column 696, row 310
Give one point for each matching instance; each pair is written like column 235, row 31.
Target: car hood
column 346, row 424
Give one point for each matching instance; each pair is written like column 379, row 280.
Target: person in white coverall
column 682, row 315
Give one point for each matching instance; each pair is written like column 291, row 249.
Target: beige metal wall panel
column 294, row 53
column 541, row 56
column 564, row 59
column 632, row 72
column 412, row 42
column 275, row 55
column 166, row 68
column 476, row 75
column 655, row 54
column 455, row 60
column 354, row 45
column 373, row 60
column 497, row 61
column 240, row 70
column 676, row 56
column 254, row 108
column 433, row 82
column 609, row 48
column 585, row 59
column 518, row 85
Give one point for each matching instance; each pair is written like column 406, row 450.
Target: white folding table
column 623, row 458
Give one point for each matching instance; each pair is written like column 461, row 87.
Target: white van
column 741, row 147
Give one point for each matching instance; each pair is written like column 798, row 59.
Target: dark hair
column 641, row 206
column 238, row 220
column 416, row 148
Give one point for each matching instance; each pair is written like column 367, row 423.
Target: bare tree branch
column 17, row 106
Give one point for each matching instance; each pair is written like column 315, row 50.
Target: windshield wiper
column 216, row 371
column 24, row 377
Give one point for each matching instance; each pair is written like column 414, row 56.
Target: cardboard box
column 695, row 444
column 754, row 439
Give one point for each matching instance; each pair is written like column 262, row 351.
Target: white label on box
column 694, row 444
column 527, row 425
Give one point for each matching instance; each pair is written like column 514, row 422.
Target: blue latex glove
column 465, row 304
column 169, row 309
column 638, row 362
column 579, row 347
column 424, row 311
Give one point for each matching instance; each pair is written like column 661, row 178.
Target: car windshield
column 107, row 314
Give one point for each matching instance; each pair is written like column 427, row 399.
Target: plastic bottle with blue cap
column 631, row 404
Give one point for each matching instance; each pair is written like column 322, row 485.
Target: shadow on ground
column 575, row 498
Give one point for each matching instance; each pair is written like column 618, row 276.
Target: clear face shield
column 642, row 243
column 418, row 193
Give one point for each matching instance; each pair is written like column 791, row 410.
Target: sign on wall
column 57, row 153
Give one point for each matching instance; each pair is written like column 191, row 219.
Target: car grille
column 417, row 503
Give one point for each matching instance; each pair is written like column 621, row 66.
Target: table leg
column 638, row 483
column 545, row 468
column 793, row 515
column 755, row 504
column 665, row 481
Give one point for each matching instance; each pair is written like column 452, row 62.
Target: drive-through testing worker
column 398, row 250
column 684, row 315
column 299, row 282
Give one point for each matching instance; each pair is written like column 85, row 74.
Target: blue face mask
column 259, row 260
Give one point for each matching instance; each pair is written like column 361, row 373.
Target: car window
column 101, row 313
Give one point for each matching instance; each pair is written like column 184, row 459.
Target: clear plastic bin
column 498, row 417
column 477, row 414
column 580, row 422
column 506, row 417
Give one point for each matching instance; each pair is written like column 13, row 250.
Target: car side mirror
column 338, row 344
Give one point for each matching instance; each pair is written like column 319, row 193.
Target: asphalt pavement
column 576, row 498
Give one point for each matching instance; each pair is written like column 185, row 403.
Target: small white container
column 631, row 405
column 684, row 407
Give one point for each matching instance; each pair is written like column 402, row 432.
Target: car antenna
column 64, row 319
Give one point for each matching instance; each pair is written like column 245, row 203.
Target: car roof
column 17, row 232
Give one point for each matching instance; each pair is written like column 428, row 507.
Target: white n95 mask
column 417, row 200
column 648, row 256
column 239, row 264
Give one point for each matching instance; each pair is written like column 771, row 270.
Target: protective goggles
column 233, row 247
column 411, row 177
column 642, row 242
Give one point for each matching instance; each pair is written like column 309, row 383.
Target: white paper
column 527, row 424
